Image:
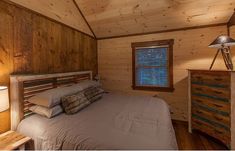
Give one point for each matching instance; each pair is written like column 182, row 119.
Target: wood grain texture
column 63, row 11
column 231, row 21
column 116, row 17
column 24, row 86
column 195, row 140
column 216, row 108
column 5, row 121
column 211, row 104
column 232, row 34
column 31, row 43
column 190, row 51
column 12, row 140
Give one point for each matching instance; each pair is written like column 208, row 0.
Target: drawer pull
column 199, row 89
column 199, row 112
column 217, row 105
column 198, row 100
column 218, row 79
column 219, row 132
column 218, row 118
column 217, row 92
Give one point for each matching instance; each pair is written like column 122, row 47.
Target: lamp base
column 226, row 56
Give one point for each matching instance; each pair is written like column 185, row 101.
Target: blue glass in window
column 152, row 77
column 151, row 56
column 151, row 67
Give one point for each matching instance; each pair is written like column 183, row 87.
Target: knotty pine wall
column 31, row 43
column 190, row 52
column 232, row 34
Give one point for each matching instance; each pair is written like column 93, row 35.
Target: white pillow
column 47, row 112
column 51, row 98
column 89, row 83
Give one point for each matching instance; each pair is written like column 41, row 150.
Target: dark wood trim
column 231, row 21
column 51, row 19
column 160, row 89
column 228, row 31
column 163, row 31
column 206, row 70
column 168, row 42
column 75, row 3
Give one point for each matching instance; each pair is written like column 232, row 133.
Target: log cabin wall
column 32, row 43
column 190, row 52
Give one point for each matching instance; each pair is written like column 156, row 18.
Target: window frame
column 158, row 43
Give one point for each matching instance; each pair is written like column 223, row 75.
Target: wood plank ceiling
column 121, row 17
column 110, row 18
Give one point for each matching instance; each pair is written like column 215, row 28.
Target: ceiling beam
column 164, row 31
column 75, row 3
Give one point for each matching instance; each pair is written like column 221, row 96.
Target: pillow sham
column 93, row 93
column 88, row 83
column 74, row 102
column 51, row 98
column 47, row 112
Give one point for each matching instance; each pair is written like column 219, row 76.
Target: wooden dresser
column 211, row 104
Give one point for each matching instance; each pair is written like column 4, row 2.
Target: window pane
column 152, row 77
column 151, row 56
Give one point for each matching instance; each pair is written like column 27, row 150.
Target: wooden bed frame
column 22, row 87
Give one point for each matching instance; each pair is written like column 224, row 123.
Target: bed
column 117, row 121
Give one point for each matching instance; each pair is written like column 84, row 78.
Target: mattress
column 117, row 121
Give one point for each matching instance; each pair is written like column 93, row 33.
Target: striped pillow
column 93, row 93
column 74, row 102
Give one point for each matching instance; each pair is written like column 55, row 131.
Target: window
column 153, row 65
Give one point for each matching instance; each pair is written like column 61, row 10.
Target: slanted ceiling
column 64, row 11
column 110, row 18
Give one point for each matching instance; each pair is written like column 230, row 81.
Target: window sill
column 161, row 89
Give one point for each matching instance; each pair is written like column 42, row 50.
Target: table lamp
column 4, row 98
column 223, row 44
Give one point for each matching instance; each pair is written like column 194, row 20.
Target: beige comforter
column 114, row 122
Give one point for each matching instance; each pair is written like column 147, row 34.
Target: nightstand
column 13, row 140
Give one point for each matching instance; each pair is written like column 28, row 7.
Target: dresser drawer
column 215, row 117
column 217, row 133
column 212, row 105
column 211, row 79
column 222, row 94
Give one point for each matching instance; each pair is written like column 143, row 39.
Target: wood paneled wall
column 190, row 52
column 232, row 35
column 63, row 11
column 31, row 43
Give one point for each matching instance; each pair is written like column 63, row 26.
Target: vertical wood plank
column 6, row 55
column 31, row 43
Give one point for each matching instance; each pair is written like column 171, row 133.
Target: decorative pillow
column 93, row 93
column 51, row 98
column 74, row 102
column 47, row 112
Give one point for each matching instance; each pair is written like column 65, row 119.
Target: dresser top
column 210, row 70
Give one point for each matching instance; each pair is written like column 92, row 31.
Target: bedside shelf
column 13, row 140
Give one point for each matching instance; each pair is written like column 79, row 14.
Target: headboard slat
column 25, row 86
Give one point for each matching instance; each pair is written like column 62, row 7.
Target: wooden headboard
column 23, row 87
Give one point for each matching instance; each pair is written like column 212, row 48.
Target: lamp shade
column 221, row 41
column 4, row 98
